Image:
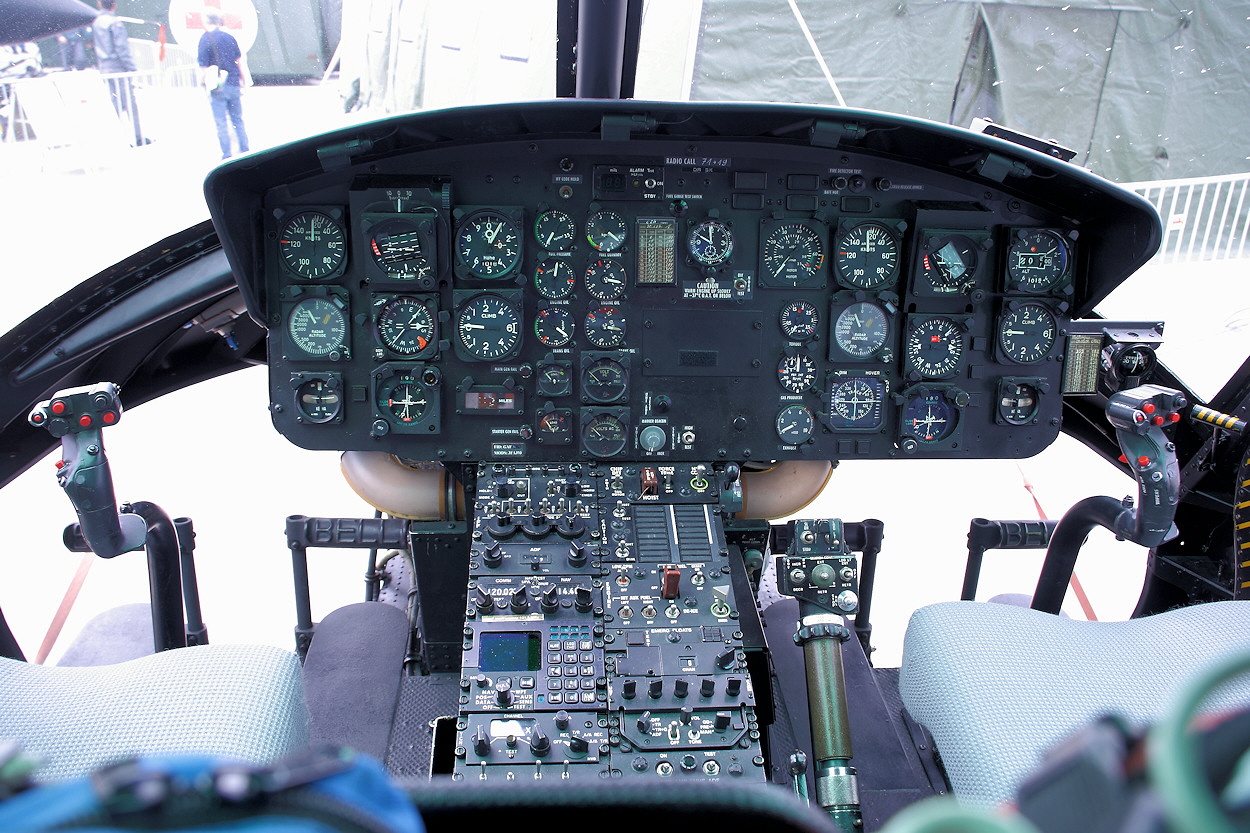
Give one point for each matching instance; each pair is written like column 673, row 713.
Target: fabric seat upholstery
column 999, row 685
column 238, row 701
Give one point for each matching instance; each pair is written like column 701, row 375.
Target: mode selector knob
column 503, row 693
column 520, row 600
column 726, row 658
column 652, row 438
column 550, row 601
column 540, row 744
column 584, row 602
column 481, row 742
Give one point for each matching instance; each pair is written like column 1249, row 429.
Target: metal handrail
column 1204, row 218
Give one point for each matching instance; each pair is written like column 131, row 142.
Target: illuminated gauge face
column 312, row 245
column 794, row 424
column 605, row 327
column 793, row 255
column 856, row 404
column 318, row 326
column 395, row 245
column 1027, row 333
column 318, row 400
column 929, row 417
column 606, row 231
column 488, row 245
column 555, row 231
column 1037, row 260
column 605, row 279
column 710, row 242
column 604, row 435
column 605, row 381
column 1017, row 403
column 797, row 373
column 866, row 256
column 950, row 263
column 488, row 327
column 405, row 326
column 800, row 320
column 554, row 279
column 553, row 326
column 861, row 329
column 403, row 399
column 934, row 347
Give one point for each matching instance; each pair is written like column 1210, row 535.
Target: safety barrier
column 1205, row 218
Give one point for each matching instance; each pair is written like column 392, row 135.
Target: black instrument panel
column 556, row 297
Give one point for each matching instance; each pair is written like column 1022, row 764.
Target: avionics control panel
column 602, row 634
column 547, row 294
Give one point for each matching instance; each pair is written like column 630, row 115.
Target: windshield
column 100, row 160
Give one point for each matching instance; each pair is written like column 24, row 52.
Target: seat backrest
column 999, row 685
column 239, row 701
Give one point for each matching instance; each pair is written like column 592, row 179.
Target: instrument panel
column 557, row 297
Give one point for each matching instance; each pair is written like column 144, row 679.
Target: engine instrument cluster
column 598, row 295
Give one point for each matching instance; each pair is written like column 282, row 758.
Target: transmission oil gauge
column 553, row 326
column 605, row 327
column 312, row 245
column 405, row 326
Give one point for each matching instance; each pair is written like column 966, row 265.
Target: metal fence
column 1206, row 218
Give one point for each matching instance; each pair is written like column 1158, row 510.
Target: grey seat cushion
column 238, row 701
column 998, row 685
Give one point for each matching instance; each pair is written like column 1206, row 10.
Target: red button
column 1174, row 417
column 85, row 420
column 109, row 417
column 1157, row 419
column 58, row 407
column 60, row 464
column 1143, row 461
column 36, row 418
column 1149, row 407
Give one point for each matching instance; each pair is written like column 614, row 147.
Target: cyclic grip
column 1139, row 416
column 77, row 416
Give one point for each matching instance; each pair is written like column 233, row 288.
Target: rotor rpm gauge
column 606, row 231
column 710, row 242
column 1026, row 334
column 797, row 373
column 317, row 326
column 934, row 346
column 861, row 329
column 855, row 403
column 488, row 245
column 318, row 400
column 794, row 424
column 488, row 327
column 405, row 326
column 866, row 256
column 555, row 231
column 605, row 279
column 1037, row 260
column 800, row 320
column 604, row 435
column 792, row 255
column 312, row 245
column 930, row 417
column 605, row 327
column 396, row 248
column 553, row 326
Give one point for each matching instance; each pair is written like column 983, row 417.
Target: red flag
column 160, row 38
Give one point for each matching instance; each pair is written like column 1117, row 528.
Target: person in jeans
column 112, row 54
column 224, row 71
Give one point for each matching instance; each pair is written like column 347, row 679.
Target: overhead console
column 652, row 282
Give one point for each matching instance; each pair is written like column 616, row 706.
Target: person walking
column 112, row 54
column 225, row 74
